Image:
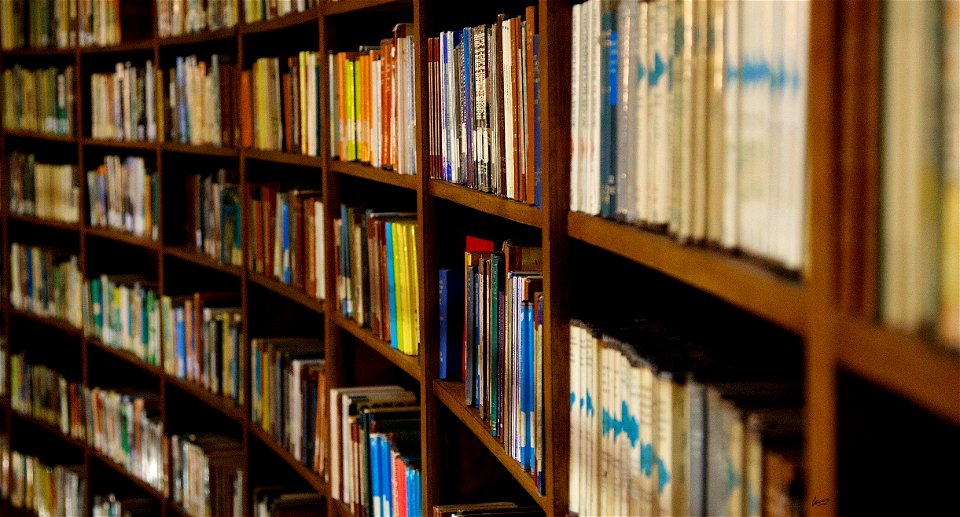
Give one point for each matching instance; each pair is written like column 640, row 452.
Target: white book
column 596, row 87
column 663, row 450
column 576, row 395
column 645, row 417
column 591, row 450
column 641, row 121
column 627, row 78
column 683, row 114
column 509, row 107
column 733, row 419
column 575, row 149
column 660, row 46
column 777, row 174
column 697, row 211
column 731, row 123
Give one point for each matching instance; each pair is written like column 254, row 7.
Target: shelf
column 286, row 291
column 139, row 145
column 738, row 282
column 197, row 38
column 127, row 357
column 177, row 509
column 453, row 396
column 203, row 150
column 904, row 364
column 225, row 406
column 308, row 475
column 377, row 174
column 340, row 509
column 120, row 469
column 488, row 203
column 302, row 160
column 191, row 255
column 49, row 223
column 281, row 22
column 59, row 324
column 354, row 6
column 39, row 52
column 48, row 428
column 407, row 363
column 38, row 135
column 117, row 235
column 133, row 46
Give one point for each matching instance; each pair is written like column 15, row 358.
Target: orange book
column 529, row 174
column 386, row 98
column 246, row 111
column 342, row 103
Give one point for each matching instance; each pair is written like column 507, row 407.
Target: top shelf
column 740, row 283
column 351, row 6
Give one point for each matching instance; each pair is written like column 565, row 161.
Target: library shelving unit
column 850, row 362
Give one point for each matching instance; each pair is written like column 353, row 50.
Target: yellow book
column 411, row 228
column 349, row 95
column 400, row 283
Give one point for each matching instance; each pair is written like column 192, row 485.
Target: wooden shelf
column 191, row 255
column 119, row 236
column 198, row 38
column 202, row 150
column 287, row 291
column 225, row 406
column 138, row 145
column 359, row 170
column 132, row 46
column 48, row 428
column 38, row 135
column 340, row 509
column 453, row 396
column 281, row 22
column 127, row 357
column 302, row 160
column 488, row 203
column 308, row 475
column 738, row 282
column 39, row 52
column 904, row 364
column 49, row 223
column 122, row 470
column 354, row 6
column 59, row 324
column 409, row 364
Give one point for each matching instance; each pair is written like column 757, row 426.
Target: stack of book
column 259, row 10
column 176, row 17
column 38, row 100
column 198, row 99
column 213, row 219
column 47, row 191
column 110, row 505
column 207, row 471
column 123, row 312
column 38, row 23
column 43, row 488
column 46, row 282
column 123, row 103
column 124, row 195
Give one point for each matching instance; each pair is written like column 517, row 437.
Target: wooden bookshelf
column 828, row 307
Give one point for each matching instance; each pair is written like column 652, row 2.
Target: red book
column 246, row 110
column 287, row 114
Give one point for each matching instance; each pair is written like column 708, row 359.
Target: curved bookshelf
column 203, row 150
column 281, row 22
column 452, row 396
column 736, row 281
column 377, row 174
column 353, row 6
column 487, row 203
column 127, row 357
column 282, row 157
column 405, row 362
column 903, row 363
column 49, row 223
column 225, row 406
column 128, row 238
column 189, row 254
column 287, row 291
column 37, row 135
column 311, row 477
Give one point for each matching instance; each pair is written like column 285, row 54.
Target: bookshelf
column 829, row 308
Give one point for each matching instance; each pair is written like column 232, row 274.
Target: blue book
column 391, row 287
column 608, row 109
column 527, row 378
column 466, row 97
column 345, row 260
column 285, row 222
column 451, row 351
column 385, row 475
column 373, row 456
column 182, row 102
column 181, row 341
column 443, row 317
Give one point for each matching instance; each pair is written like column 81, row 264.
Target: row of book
column 690, row 117
column 43, row 190
column 176, row 17
column 123, row 425
column 286, row 236
column 31, row 484
column 60, row 23
column 199, row 104
column 202, row 337
column 919, row 194
column 483, row 84
column 207, row 472
column 280, row 99
column 123, row 102
column 502, row 351
column 124, row 195
column 648, row 435
column 39, row 100
column 288, row 384
column 375, row 450
column 372, row 104
column 214, row 220
column 259, row 10
column 123, row 312
column 376, row 266
column 110, row 505
column 47, row 283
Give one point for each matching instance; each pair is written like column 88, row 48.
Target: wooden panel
column 311, row 477
column 367, row 172
column 191, row 255
column 487, row 203
column 405, row 362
